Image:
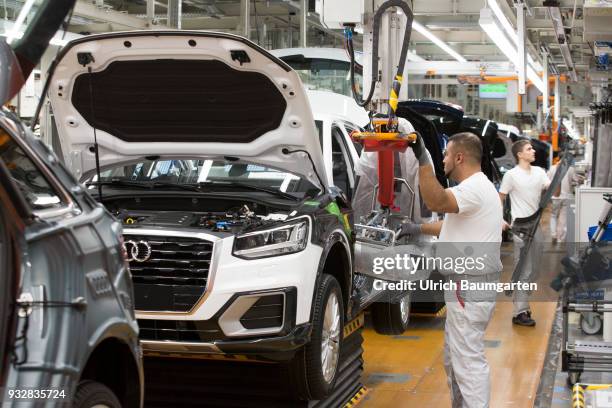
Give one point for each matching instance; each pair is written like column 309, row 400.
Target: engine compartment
column 215, row 215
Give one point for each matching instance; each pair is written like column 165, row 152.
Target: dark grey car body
column 68, row 311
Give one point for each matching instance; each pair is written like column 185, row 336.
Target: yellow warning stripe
column 578, row 396
column 439, row 313
column 354, row 325
column 393, row 103
column 357, row 398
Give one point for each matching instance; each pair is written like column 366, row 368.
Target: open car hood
column 181, row 94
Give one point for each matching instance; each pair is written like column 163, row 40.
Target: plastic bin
column 607, row 236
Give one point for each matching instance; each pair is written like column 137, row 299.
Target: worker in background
column 560, row 203
column 473, row 215
column 525, row 184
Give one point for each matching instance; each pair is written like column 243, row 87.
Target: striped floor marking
column 359, row 396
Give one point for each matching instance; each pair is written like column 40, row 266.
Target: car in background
column 322, row 68
column 438, row 121
column 502, row 147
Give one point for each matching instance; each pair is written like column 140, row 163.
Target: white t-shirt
column 525, row 189
column 480, row 212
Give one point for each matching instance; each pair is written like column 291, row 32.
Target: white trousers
column 558, row 219
column 530, row 272
column 465, row 361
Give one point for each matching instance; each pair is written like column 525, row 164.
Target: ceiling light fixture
column 431, row 37
column 503, row 20
column 23, row 13
column 491, row 28
column 412, row 56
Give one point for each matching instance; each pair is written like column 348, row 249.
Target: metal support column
column 304, row 24
column 556, row 116
column 546, row 93
column 150, row 11
column 245, row 17
column 174, row 13
column 522, row 64
column 557, row 106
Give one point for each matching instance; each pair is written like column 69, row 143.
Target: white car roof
column 339, row 54
column 330, row 104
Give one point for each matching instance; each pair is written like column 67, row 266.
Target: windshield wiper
column 144, row 184
column 277, row 193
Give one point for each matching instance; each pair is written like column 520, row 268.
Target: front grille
column 266, row 313
column 178, row 330
column 174, row 277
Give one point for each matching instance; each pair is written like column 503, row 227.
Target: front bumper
column 275, row 348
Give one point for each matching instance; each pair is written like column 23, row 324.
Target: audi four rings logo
column 137, row 251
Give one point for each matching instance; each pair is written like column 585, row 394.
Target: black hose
column 397, row 82
column 48, row 19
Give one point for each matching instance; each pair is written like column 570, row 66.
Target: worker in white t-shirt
column 525, row 184
column 473, row 217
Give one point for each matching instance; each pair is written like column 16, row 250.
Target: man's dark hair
column 518, row 147
column 469, row 144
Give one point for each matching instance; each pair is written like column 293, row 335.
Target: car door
column 13, row 212
column 343, row 165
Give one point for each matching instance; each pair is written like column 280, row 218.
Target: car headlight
column 283, row 240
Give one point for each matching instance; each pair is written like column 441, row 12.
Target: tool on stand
column 382, row 135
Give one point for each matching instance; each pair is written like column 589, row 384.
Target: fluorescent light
column 489, row 26
column 499, row 38
column 501, row 17
column 503, row 20
column 57, row 40
column 431, row 37
column 23, row 13
column 412, row 56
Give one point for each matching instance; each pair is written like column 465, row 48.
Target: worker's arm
column 432, row 228
column 436, row 197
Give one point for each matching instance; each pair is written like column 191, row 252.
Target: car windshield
column 211, row 174
column 324, row 74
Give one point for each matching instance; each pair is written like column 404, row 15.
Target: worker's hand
column 505, row 226
column 420, row 151
column 408, row 229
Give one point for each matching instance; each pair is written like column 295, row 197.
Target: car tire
column 312, row 372
column 391, row 318
column 94, row 394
